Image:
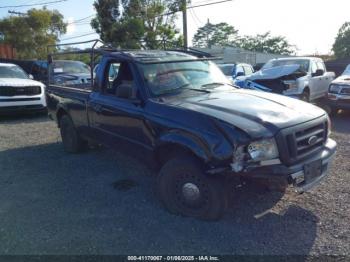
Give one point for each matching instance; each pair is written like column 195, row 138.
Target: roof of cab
column 298, row 58
column 149, row 56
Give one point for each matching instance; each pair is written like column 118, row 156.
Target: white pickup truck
column 305, row 78
column 18, row 92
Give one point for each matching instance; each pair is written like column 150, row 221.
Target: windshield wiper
column 199, row 90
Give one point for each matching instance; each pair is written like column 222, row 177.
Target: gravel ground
column 102, row 202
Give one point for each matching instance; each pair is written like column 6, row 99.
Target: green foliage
column 266, row 43
column 136, row 23
column 221, row 34
column 341, row 46
column 30, row 34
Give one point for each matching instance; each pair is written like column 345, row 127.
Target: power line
column 25, row 5
column 195, row 6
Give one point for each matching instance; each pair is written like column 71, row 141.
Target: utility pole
column 184, row 18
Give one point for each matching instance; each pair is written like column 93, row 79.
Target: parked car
column 36, row 68
column 305, row 78
column 339, row 92
column 18, row 92
column 182, row 112
column 232, row 71
column 74, row 73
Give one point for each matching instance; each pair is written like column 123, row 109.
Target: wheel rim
column 191, row 193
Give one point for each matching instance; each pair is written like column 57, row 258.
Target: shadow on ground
column 55, row 203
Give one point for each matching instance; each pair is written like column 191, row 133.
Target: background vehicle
column 182, row 112
column 339, row 92
column 301, row 77
column 73, row 73
column 18, row 92
column 36, row 68
column 232, row 71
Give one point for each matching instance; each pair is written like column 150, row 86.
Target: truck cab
column 199, row 129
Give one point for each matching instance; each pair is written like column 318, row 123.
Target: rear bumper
column 296, row 175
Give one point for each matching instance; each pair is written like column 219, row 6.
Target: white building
column 239, row 55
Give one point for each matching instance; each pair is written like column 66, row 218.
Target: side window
column 321, row 66
column 248, row 70
column 313, row 67
column 239, row 70
column 120, row 80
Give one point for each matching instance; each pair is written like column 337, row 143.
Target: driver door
column 117, row 111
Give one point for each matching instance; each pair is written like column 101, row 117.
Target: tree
column 215, row 34
column 341, row 46
column 136, row 23
column 266, row 43
column 30, row 34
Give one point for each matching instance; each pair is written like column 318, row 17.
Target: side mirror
column 240, row 74
column 31, row 76
column 319, row 72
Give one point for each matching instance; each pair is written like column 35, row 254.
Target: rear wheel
column 72, row 142
column 333, row 111
column 184, row 189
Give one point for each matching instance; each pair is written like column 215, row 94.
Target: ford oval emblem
column 312, row 140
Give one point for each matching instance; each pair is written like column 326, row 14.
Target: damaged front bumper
column 303, row 176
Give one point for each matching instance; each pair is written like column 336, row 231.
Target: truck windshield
column 170, row 78
column 227, row 69
column 303, row 63
column 70, row 67
column 12, row 72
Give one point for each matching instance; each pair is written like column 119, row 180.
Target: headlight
column 334, row 89
column 329, row 126
column 290, row 84
column 263, row 150
column 345, row 90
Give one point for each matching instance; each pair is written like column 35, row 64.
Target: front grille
column 302, row 141
column 20, row 90
column 276, row 85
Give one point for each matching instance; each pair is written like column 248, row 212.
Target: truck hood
column 343, row 79
column 274, row 72
column 18, row 82
column 257, row 113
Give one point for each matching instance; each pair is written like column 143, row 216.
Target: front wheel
column 305, row 96
column 184, row 189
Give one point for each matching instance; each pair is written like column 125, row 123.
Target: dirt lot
column 55, row 203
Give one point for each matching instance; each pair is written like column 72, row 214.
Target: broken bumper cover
column 303, row 176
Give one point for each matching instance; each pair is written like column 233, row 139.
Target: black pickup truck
column 181, row 111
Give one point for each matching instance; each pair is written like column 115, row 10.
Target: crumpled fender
column 186, row 140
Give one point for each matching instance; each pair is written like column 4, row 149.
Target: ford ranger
column 181, row 111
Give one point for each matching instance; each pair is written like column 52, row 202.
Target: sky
column 311, row 25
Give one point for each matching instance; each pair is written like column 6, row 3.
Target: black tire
column 173, row 180
column 333, row 111
column 305, row 96
column 72, row 142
